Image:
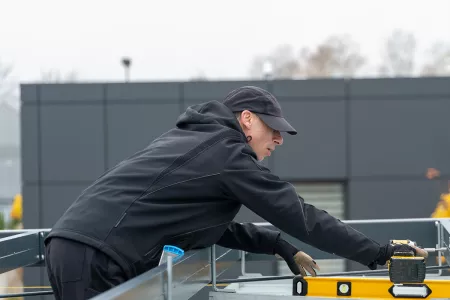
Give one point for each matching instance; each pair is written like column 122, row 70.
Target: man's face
column 264, row 139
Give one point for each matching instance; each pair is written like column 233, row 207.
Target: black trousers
column 77, row 271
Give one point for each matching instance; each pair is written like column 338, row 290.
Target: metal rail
column 23, row 249
column 379, row 221
column 26, row 294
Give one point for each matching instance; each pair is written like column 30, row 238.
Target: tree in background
column 337, row 56
column 6, row 87
column 9, row 91
column 199, row 76
column 284, row 63
column 398, row 55
column 340, row 56
column 56, row 76
column 4, row 74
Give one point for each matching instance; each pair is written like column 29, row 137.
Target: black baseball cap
column 260, row 102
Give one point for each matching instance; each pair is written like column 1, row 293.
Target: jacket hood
column 209, row 114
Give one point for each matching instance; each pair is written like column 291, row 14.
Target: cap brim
column 278, row 123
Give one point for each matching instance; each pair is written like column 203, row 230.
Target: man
column 185, row 189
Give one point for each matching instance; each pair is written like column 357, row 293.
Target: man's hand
column 305, row 262
column 387, row 251
column 417, row 251
column 297, row 261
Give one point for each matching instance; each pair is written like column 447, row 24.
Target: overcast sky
column 174, row 40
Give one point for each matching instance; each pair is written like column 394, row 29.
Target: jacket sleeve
column 277, row 202
column 249, row 237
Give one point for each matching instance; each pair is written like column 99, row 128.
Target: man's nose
column 277, row 138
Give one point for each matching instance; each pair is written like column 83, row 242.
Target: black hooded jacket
column 185, row 189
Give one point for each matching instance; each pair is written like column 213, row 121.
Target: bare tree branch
column 256, row 67
column 4, row 72
column 55, row 76
column 200, row 76
column 283, row 62
column 399, row 55
column 6, row 87
column 337, row 56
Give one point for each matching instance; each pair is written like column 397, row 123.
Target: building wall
column 398, row 128
column 376, row 137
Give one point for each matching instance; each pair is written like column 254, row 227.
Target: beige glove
column 305, row 262
column 297, row 261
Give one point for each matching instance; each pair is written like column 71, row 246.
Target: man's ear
column 246, row 119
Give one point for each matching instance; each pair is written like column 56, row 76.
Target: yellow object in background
column 16, row 209
column 443, row 207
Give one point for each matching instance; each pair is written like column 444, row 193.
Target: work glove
column 297, row 260
column 387, row 251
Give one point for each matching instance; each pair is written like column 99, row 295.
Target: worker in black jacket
column 185, row 189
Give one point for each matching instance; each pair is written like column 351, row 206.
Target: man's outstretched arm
column 277, row 202
column 256, row 239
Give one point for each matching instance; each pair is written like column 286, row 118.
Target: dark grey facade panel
column 70, row 93
column 425, row 234
column 133, row 127
column 56, row 199
column 328, row 88
column 396, row 138
column 28, row 93
column 190, row 102
column 72, row 140
column 143, row 91
column 31, row 206
column 392, row 198
column 29, row 143
column 206, row 91
column 400, row 87
column 318, row 151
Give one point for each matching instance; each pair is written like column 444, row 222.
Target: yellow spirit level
column 369, row 288
column 406, row 280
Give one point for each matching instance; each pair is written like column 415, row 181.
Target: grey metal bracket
column 214, row 272
column 22, row 250
column 444, row 228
